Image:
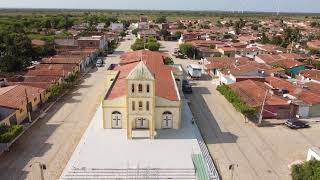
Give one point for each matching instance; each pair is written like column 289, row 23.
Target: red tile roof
column 312, row 74
column 253, row 93
column 15, row 96
column 164, row 82
column 300, row 93
column 289, row 63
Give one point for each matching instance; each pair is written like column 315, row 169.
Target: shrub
column 8, row 133
column 235, row 100
column 137, row 45
column 308, row 170
column 187, row 49
column 168, row 61
column 55, row 89
column 71, row 78
column 135, row 31
column 153, row 46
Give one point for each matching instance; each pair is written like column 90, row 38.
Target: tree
column 161, row 19
column 178, row 34
column 153, row 46
column 187, row 49
column 135, row 31
column 168, row 61
column 181, row 26
column 15, row 50
column 264, row 39
column 123, row 34
column 164, row 33
column 308, row 170
column 277, row 40
column 138, row 45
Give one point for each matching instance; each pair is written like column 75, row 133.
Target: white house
column 116, row 26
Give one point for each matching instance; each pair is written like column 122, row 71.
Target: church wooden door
column 142, row 123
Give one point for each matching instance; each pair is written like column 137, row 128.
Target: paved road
column 258, row 153
column 53, row 139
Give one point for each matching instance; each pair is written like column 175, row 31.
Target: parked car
column 99, row 63
column 296, row 124
column 112, row 66
column 194, row 70
column 186, row 87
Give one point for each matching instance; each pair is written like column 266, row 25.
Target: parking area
column 232, row 141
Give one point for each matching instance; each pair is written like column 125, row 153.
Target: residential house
column 315, row 44
column 228, row 51
column 312, row 75
column 307, row 102
column 116, row 27
column 98, row 42
column 14, row 101
column 145, row 34
column 255, row 94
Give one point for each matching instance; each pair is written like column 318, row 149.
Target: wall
column 295, row 70
column 109, row 106
column 314, row 110
column 174, row 107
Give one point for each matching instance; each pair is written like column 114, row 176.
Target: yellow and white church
column 143, row 93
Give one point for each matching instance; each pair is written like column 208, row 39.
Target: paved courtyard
column 109, row 148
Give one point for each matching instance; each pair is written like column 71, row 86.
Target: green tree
column 187, row 49
column 168, row 61
column 309, row 170
column 138, row 45
column 264, row 39
column 153, row 46
column 161, row 19
column 123, row 34
column 178, row 34
column 135, row 31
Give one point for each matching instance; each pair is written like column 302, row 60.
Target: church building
column 142, row 95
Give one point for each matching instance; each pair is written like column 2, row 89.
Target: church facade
column 142, row 95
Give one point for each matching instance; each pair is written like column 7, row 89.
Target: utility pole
column 262, row 107
column 28, row 109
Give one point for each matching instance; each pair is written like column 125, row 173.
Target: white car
column 99, row 63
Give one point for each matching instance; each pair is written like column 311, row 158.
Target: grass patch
column 235, row 100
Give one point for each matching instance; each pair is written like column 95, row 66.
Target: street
column 253, row 152
column 52, row 140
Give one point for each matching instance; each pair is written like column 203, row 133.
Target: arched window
column 147, row 105
column 167, row 120
column 116, row 119
column 133, row 106
column 148, row 88
column 140, row 105
column 140, row 88
column 132, row 88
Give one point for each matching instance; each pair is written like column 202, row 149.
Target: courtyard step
column 187, row 174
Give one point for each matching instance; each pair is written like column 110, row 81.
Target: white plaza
column 104, row 153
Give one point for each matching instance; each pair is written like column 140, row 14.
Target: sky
column 224, row 5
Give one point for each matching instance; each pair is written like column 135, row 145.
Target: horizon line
column 168, row 10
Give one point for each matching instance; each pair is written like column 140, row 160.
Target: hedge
column 309, row 170
column 8, row 133
column 235, row 100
